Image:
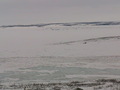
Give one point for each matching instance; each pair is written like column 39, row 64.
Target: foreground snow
column 101, row 84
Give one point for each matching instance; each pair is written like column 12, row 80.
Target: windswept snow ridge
column 65, row 24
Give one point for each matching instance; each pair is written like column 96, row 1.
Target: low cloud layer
column 47, row 11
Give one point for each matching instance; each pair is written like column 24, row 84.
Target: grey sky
column 46, row 11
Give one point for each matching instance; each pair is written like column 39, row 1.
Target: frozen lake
column 56, row 52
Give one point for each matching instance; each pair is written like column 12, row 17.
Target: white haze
column 44, row 11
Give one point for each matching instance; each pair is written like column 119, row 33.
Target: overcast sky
column 46, row 11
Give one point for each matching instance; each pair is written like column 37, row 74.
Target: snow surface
column 58, row 52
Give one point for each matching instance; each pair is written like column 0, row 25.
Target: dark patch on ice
column 85, row 41
column 103, row 38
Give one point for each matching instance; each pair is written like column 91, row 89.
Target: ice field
column 59, row 52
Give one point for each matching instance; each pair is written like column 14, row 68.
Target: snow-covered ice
column 59, row 52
